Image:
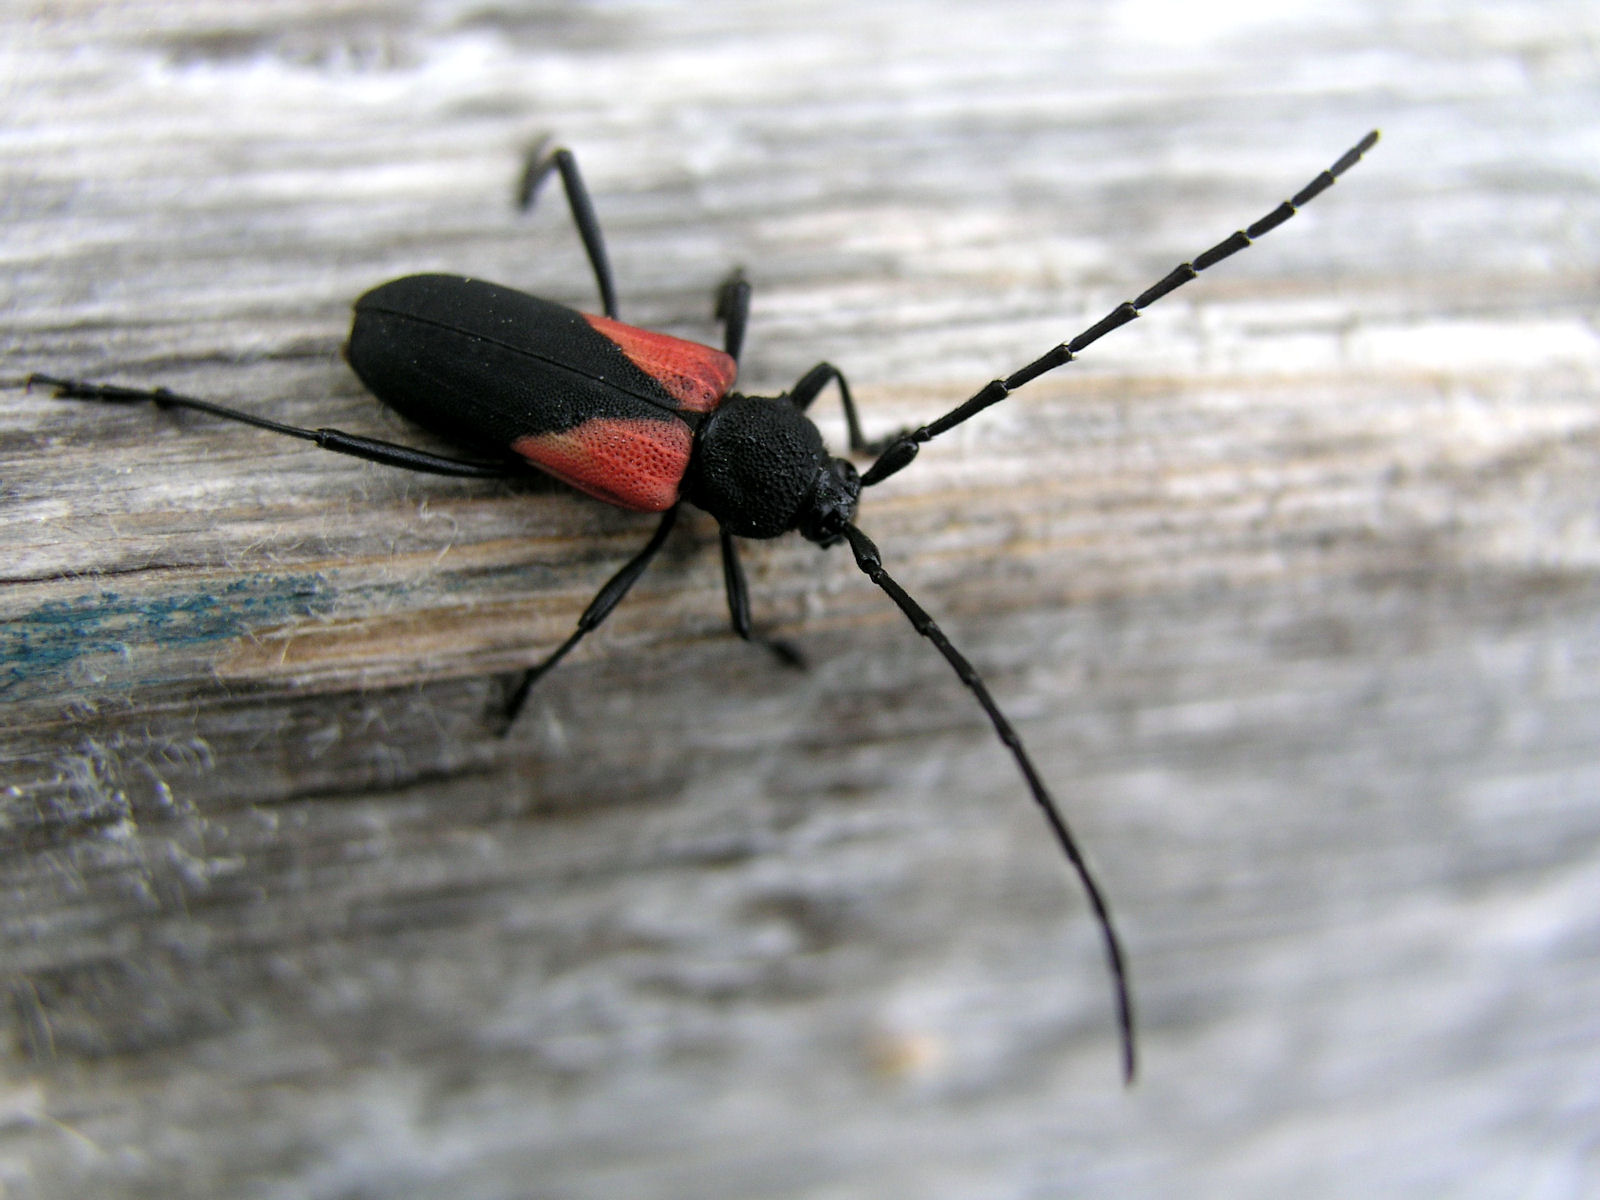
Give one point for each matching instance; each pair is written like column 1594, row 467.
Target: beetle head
column 831, row 504
column 760, row 469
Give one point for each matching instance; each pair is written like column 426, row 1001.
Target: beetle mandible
column 647, row 422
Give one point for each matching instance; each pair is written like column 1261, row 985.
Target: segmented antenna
column 903, row 448
column 871, row 563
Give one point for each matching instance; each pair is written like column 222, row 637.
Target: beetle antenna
column 870, row 562
column 903, row 448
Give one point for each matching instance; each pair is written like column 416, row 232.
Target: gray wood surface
column 1292, row 586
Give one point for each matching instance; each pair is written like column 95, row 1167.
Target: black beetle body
column 645, row 421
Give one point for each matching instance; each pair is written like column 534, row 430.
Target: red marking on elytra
column 632, row 462
column 697, row 376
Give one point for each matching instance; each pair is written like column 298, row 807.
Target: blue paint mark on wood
column 40, row 647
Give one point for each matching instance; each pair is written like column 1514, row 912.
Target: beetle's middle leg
column 739, row 606
column 599, row 609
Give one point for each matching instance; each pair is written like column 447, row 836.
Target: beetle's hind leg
column 733, row 310
column 390, row 454
column 543, row 159
column 739, row 607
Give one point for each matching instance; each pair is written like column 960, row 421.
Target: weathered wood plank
column 1291, row 585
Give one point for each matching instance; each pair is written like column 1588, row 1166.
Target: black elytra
column 646, row 422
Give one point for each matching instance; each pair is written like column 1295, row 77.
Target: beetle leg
column 541, row 161
column 599, row 609
column 733, row 310
column 739, row 606
column 811, row 385
column 390, row 454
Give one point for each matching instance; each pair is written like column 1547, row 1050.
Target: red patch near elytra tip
column 697, row 376
column 634, row 463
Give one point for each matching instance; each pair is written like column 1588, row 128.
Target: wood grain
column 1292, row 586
